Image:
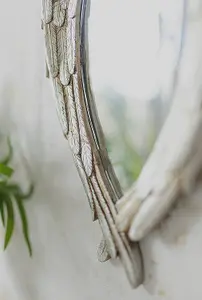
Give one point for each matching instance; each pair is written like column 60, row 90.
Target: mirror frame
column 64, row 24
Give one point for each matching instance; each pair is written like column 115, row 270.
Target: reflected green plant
column 126, row 158
column 130, row 162
column 11, row 194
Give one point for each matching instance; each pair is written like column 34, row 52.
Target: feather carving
column 51, row 48
column 111, row 248
column 102, row 253
column 71, row 49
column 64, row 3
column 47, row 6
column 86, row 151
column 62, row 55
column 61, row 106
column 86, row 183
column 58, row 14
column 61, row 19
column 74, row 138
column 72, row 8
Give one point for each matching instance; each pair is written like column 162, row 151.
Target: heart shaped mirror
column 105, row 59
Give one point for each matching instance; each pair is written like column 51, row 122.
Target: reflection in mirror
column 132, row 59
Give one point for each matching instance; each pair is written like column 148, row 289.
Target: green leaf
column 17, row 191
column 11, row 188
column 2, row 212
column 136, row 168
column 10, row 221
column 5, row 170
column 28, row 194
column 24, row 221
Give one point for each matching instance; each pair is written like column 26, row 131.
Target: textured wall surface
column 64, row 264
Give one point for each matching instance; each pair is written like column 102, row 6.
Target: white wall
column 64, row 263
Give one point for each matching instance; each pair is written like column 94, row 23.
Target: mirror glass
column 133, row 54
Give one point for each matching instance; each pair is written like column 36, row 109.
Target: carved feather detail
column 47, row 6
column 62, row 42
column 74, row 138
column 86, row 155
column 64, row 72
column 130, row 258
column 102, row 253
column 64, row 3
column 51, row 48
column 86, row 151
column 47, row 70
column 71, row 48
column 111, row 248
column 61, row 106
column 85, row 181
column 58, row 14
column 62, row 55
column 72, row 8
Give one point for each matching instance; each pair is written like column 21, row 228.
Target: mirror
column 113, row 66
column 132, row 62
